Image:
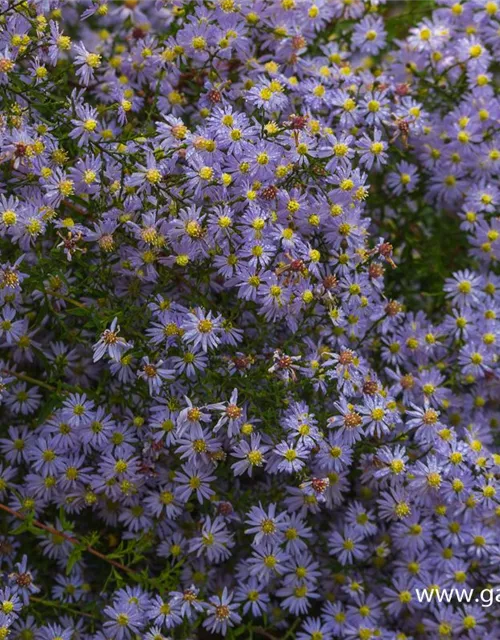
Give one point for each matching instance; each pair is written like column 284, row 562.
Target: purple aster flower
column 123, row 621
column 252, row 454
column 154, row 374
column 221, row 613
column 110, row 343
column 51, row 631
column 369, row 34
column 202, row 329
column 194, row 478
column 267, row 526
column 348, row 546
column 164, row 614
column 214, row 541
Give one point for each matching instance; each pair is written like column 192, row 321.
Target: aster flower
column 404, row 180
column 57, row 547
column 379, row 418
column 266, row 562
column 369, row 34
column 154, row 374
column 395, row 505
column 50, row 631
column 221, row 613
column 85, row 124
column 296, row 598
column 194, row 478
column 347, row 546
column 163, row 502
column 399, row 597
column 148, row 175
column 463, row 288
column 238, row 191
column 11, row 603
column 58, row 186
column 253, row 597
column 164, row 614
column 233, row 415
column 87, row 63
column 284, row 365
column 23, row 581
column 425, row 419
column 474, row 360
column 202, row 329
column 292, row 456
column 44, row 456
column 312, row 628
column 123, row 621
column 267, row 526
column 189, row 601
column 77, row 410
column 375, row 107
column 110, row 343
column 393, row 463
column 214, row 541
column 252, row 455
column 349, row 421
column 15, row 448
column 372, row 151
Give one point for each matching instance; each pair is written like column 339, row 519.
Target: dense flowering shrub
column 249, row 318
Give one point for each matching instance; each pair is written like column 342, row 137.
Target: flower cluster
column 249, row 318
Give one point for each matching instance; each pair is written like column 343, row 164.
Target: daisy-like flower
column 232, row 415
column 58, row 186
column 154, row 374
column 350, row 422
column 475, row 360
column 24, row 580
column 372, row 150
column 86, row 123
column 369, row 34
column 122, row 621
column 252, row 597
column 379, row 418
column 292, row 456
column 111, row 343
column 404, row 180
column 395, row 505
column 7, row 64
column 221, row 613
column 214, row 541
column 297, row 419
column 189, row 601
column 267, row 561
column 267, row 526
column 425, row 419
column 202, row 329
column 77, row 410
column 86, row 62
column 297, row 597
column 164, row 614
column 284, row 366
column 251, row 454
column 347, row 547
column 464, row 288
column 148, row 176
column 400, row 596
column 51, row 631
column 193, row 477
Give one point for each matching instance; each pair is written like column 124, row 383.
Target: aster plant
column 249, row 318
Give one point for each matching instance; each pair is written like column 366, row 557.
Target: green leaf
column 74, row 557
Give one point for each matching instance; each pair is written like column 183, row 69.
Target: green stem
column 63, row 607
column 26, row 378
